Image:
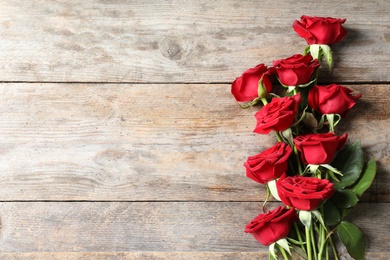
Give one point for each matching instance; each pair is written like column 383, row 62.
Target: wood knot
column 173, row 48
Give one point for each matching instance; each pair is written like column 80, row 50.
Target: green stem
column 278, row 137
column 323, row 242
column 327, row 251
column 299, row 236
column 266, row 198
column 336, row 256
column 330, row 118
column 313, row 241
column 323, row 239
column 317, row 72
column 298, row 160
column 264, row 100
column 284, row 254
column 308, row 243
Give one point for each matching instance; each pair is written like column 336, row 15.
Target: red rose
column 304, row 193
column 319, row 148
column 274, row 225
column 295, row 70
column 245, row 88
column 320, row 30
column 332, row 99
column 269, row 164
column 278, row 115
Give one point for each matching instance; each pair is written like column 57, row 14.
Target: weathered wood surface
column 152, row 226
column 179, row 41
column 157, row 256
column 154, row 171
column 155, row 142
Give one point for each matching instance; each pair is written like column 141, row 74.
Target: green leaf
column 299, row 253
column 352, row 238
column 366, row 178
column 331, row 213
column 350, row 162
column 344, row 199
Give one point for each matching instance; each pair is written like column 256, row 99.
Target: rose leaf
column 350, row 162
column 366, row 179
column 344, row 199
column 353, row 239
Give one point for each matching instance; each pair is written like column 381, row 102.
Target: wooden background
column 119, row 138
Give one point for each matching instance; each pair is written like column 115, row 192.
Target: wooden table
column 120, row 138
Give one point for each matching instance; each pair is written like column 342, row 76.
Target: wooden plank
column 152, row 226
column 149, row 142
column 158, row 255
column 168, row 41
column 138, row 256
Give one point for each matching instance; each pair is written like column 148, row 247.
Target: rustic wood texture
column 152, row 226
column 155, row 142
column 119, row 138
column 179, row 41
column 157, row 255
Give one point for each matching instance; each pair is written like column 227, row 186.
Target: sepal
column 315, row 51
column 327, row 54
column 261, row 90
column 273, row 189
column 272, row 251
column 284, row 244
column 305, row 218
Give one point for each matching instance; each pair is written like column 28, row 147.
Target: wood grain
column 150, row 142
column 172, row 41
column 152, row 226
column 157, row 255
column 139, row 256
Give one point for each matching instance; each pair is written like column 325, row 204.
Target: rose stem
column 308, row 243
column 299, row 236
column 266, row 198
column 313, row 242
column 323, row 241
column 334, row 248
column 283, row 252
column 278, row 137
column 327, row 250
column 322, row 236
column 298, row 160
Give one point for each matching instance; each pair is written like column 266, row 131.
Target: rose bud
column 332, row 99
column 304, row 193
column 278, row 115
column 320, row 30
column 246, row 87
column 319, row 148
column 296, row 70
column 269, row 227
column 269, row 164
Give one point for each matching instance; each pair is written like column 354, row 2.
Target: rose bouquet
column 316, row 177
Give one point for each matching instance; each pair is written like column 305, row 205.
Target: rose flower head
column 246, row 87
column 304, row 193
column 319, row 148
column 332, row 99
column 320, row 30
column 269, row 227
column 296, row 70
column 269, row 164
column 278, row 115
